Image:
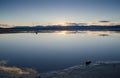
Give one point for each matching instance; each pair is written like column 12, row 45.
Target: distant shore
column 19, row 29
column 95, row 70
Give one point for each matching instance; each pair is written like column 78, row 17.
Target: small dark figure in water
column 36, row 32
column 88, row 62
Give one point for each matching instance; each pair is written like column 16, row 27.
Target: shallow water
column 57, row 50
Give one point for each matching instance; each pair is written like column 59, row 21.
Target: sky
column 62, row 12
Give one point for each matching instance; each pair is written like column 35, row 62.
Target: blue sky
column 45, row 12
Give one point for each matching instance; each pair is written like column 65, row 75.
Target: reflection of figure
column 88, row 62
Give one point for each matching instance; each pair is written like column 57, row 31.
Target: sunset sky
column 53, row 12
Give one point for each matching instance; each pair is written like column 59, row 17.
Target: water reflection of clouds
column 99, row 33
column 62, row 32
column 51, row 46
column 15, row 70
column 68, row 32
column 92, row 33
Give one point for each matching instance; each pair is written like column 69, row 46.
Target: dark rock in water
column 88, row 62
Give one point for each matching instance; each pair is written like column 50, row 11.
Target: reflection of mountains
column 18, row 29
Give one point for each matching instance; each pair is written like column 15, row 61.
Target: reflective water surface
column 57, row 50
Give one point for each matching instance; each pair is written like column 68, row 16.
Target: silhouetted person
column 88, row 62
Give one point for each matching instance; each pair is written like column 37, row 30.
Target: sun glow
column 62, row 24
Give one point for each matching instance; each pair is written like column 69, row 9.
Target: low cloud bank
column 104, row 21
column 4, row 25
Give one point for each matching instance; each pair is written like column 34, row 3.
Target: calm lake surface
column 49, row 51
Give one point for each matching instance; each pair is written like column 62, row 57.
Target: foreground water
column 51, row 51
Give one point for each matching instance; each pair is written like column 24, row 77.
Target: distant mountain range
column 56, row 28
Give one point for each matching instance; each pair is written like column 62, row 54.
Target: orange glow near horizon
column 57, row 24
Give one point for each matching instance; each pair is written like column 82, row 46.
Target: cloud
column 76, row 24
column 100, row 23
column 104, row 21
column 83, row 24
column 4, row 25
column 72, row 24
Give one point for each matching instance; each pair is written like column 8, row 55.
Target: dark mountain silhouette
column 17, row 29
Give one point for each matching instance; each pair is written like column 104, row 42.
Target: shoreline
column 94, row 70
column 38, row 29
